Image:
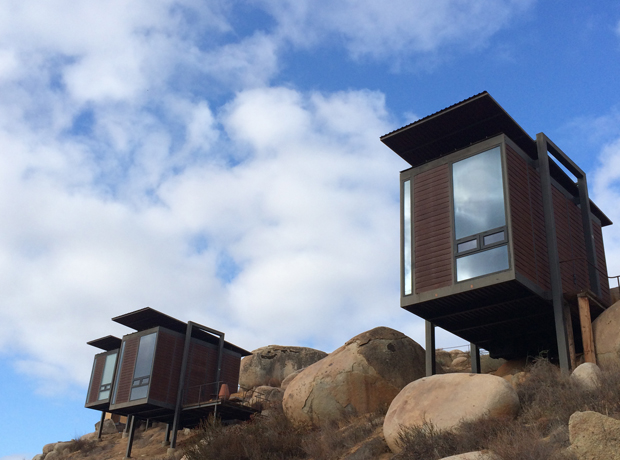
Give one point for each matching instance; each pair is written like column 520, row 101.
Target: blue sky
column 220, row 161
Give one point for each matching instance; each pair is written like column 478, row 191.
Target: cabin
column 167, row 370
column 500, row 243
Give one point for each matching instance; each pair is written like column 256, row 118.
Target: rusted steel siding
column 126, row 372
column 96, row 382
column 167, row 367
column 601, row 262
column 231, row 363
column 528, row 225
column 571, row 244
column 432, row 229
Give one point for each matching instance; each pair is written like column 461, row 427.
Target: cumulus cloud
column 148, row 161
column 395, row 28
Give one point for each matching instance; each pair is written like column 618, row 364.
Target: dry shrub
column 263, row 438
column 524, row 442
column 333, row 439
column 81, row 445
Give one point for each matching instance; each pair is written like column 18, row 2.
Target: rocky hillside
column 369, row 399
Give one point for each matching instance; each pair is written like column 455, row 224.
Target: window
column 108, row 374
column 479, row 215
column 143, row 367
column 407, row 272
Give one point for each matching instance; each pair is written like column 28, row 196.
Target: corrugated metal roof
column 148, row 318
column 463, row 124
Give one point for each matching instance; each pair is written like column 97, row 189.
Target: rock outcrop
column 594, row 436
column 447, row 400
column 477, row 455
column 360, row 377
column 587, row 375
column 270, row 365
column 606, row 338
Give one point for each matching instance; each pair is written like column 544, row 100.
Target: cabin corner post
column 552, row 249
column 474, row 352
column 100, row 430
column 431, row 360
column 584, row 201
column 179, row 402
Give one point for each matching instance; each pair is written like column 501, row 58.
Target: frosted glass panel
column 139, row 393
column 478, row 194
column 407, row 237
column 105, row 394
column 482, row 263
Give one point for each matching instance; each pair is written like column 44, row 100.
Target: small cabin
column 102, row 375
column 498, row 234
column 140, row 374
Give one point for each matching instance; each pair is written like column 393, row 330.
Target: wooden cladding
column 601, row 262
column 95, row 383
column 126, row 371
column 432, row 229
column 528, row 222
column 167, row 367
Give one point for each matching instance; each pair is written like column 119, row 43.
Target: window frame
column 479, row 237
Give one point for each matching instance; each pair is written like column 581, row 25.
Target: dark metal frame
column 545, row 147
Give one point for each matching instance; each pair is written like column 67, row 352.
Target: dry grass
column 540, row 432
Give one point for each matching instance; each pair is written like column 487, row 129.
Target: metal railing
column 210, row 393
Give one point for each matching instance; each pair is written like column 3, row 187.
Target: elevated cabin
column 497, row 241
column 140, row 375
column 102, row 375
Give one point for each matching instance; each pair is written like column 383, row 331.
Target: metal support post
column 474, row 351
column 431, row 361
column 100, row 430
column 179, row 403
column 584, row 201
column 167, row 438
column 132, row 431
column 552, row 249
column 127, row 425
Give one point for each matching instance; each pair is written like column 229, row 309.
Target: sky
column 220, row 161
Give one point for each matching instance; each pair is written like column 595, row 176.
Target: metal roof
column 466, row 123
column 148, row 318
column 107, row 343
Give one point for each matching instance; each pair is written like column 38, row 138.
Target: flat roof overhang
column 148, row 318
column 466, row 123
column 107, row 343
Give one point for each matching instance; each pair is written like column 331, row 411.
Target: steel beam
column 179, row 402
column 431, row 360
column 474, row 351
column 552, row 249
column 100, row 430
column 132, row 431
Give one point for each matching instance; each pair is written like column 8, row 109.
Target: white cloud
column 605, row 183
column 396, row 28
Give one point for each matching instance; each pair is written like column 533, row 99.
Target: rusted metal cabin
column 167, row 371
column 497, row 241
column 102, row 375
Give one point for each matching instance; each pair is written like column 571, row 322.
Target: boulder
column 267, row 396
column 447, row 400
column 289, row 378
column 594, row 436
column 109, row 427
column 511, row 367
column 477, row 455
column 606, row 338
column 587, row 375
column 362, row 376
column 38, row 457
column 272, row 364
column 47, row 448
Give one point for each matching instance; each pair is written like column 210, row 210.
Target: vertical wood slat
column 166, row 367
column 126, row 372
column 431, row 207
column 96, row 381
column 589, row 350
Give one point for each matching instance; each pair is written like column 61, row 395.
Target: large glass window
column 479, row 215
column 108, row 374
column 143, row 367
column 408, row 282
